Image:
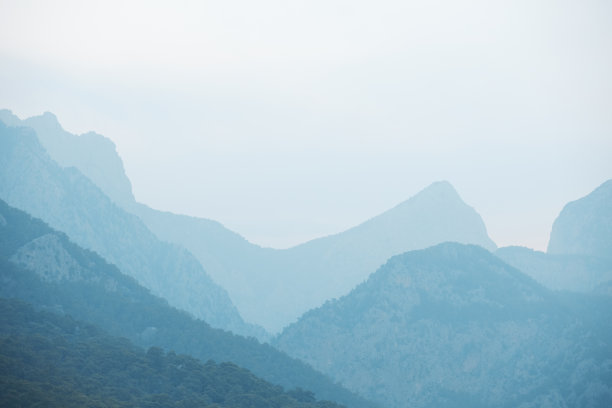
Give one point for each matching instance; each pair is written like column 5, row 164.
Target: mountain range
column 414, row 307
column 68, row 201
column 271, row 287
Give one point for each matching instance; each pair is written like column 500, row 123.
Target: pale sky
column 289, row 120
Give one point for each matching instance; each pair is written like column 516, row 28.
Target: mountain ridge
column 72, row 203
column 273, row 287
column 454, row 326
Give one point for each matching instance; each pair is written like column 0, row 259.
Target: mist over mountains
column 70, row 202
column 578, row 257
column 270, row 287
column 414, row 307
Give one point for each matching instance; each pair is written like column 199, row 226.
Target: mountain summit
column 281, row 285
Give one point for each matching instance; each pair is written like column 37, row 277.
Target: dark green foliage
column 118, row 305
column 56, row 361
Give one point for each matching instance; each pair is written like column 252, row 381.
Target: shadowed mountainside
column 43, row 267
column 54, row 361
column 454, row 326
column 70, row 202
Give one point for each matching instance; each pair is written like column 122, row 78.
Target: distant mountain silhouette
column 454, row 326
column 584, row 226
column 272, row 287
column 576, row 273
column 70, row 202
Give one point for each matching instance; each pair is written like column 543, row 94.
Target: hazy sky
column 288, row 120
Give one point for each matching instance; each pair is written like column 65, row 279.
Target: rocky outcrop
column 584, row 226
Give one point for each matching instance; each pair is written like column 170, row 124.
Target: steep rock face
column 43, row 267
column 453, row 325
column 94, row 155
column 584, row 226
column 71, row 203
column 272, row 287
column 48, row 258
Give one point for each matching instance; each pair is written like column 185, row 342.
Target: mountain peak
column 9, row 118
column 441, row 185
column 47, row 119
column 438, row 190
column 437, row 214
column 49, row 115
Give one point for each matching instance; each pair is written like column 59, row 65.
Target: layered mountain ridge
column 388, row 308
column 579, row 253
column 271, row 287
column 94, row 155
column 43, row 267
column 70, row 202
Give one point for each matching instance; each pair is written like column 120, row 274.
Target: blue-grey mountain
column 92, row 154
column 274, row 287
column 454, row 326
column 43, row 267
column 584, row 226
column 70, row 202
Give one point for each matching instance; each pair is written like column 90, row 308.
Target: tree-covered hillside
column 454, row 326
column 55, row 361
column 41, row 266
